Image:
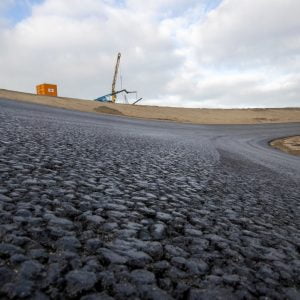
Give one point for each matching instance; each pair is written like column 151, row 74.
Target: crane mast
column 113, row 91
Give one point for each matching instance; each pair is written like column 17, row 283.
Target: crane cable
column 121, row 87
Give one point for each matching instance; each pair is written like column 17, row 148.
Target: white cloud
column 248, row 31
column 241, row 54
column 4, row 5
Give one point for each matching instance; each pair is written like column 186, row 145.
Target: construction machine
column 113, row 95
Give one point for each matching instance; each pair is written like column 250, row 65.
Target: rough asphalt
column 102, row 207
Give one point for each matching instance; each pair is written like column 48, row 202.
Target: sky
column 185, row 53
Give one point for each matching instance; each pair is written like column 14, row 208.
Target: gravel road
column 103, row 207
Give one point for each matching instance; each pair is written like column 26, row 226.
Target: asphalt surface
column 103, row 207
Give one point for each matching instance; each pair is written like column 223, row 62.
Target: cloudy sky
column 190, row 53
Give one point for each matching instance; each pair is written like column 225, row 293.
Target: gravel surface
column 100, row 207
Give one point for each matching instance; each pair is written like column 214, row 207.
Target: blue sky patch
column 212, row 4
column 20, row 10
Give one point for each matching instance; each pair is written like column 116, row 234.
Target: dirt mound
column 107, row 110
column 290, row 145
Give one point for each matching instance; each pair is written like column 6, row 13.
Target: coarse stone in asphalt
column 159, row 231
column 30, row 269
column 78, row 281
column 101, row 207
column 110, row 257
column 141, row 277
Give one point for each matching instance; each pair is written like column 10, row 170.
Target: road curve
column 106, row 207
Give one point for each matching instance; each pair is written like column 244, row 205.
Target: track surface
column 94, row 207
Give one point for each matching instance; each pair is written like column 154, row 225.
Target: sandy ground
column 290, row 145
column 187, row 115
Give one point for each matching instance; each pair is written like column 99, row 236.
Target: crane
column 113, row 92
column 113, row 95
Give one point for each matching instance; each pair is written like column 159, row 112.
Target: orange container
column 47, row 89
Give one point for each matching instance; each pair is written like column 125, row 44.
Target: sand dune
column 186, row 115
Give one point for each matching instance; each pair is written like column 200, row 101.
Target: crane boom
column 105, row 98
column 138, row 100
column 115, row 78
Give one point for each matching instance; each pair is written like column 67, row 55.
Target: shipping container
column 47, row 89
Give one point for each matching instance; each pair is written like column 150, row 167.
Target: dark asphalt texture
column 105, row 207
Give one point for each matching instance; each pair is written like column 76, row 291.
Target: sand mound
column 289, row 145
column 107, row 110
column 185, row 115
